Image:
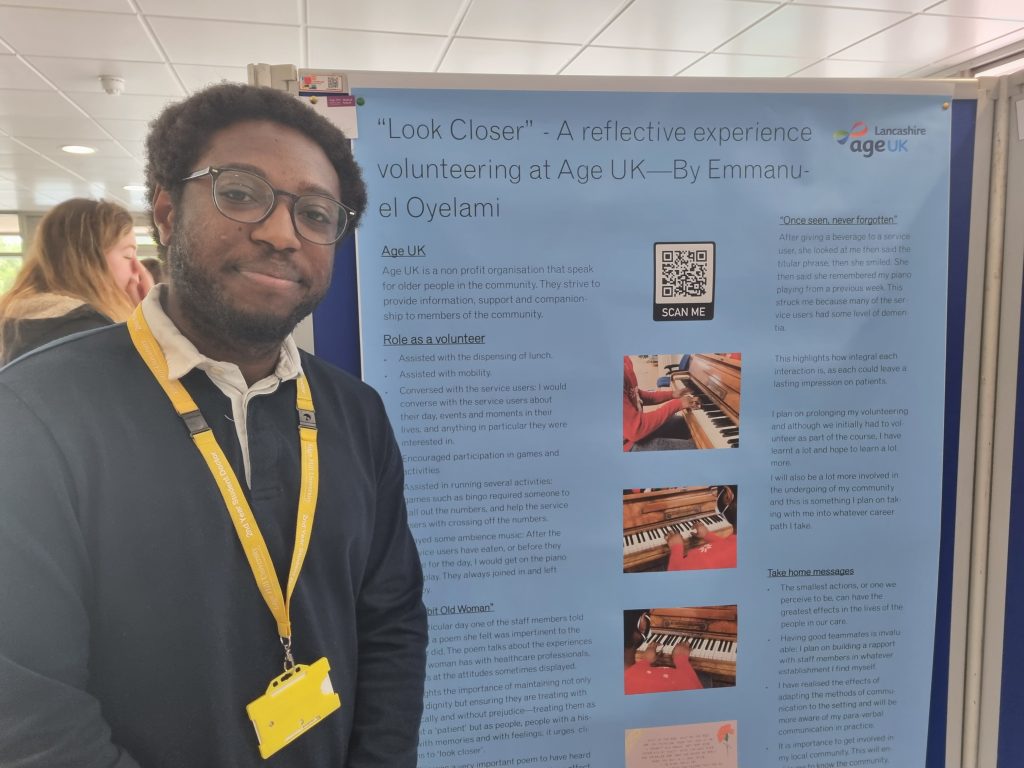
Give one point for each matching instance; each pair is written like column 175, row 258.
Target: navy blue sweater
column 131, row 628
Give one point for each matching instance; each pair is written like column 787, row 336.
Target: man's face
column 249, row 283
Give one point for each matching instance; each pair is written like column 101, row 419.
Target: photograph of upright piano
column 651, row 515
column 715, row 381
column 710, row 630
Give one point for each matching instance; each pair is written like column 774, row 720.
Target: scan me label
column 684, row 281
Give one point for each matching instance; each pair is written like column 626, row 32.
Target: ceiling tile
column 126, row 130
column 810, row 31
column 223, row 43
column 640, row 62
column 108, row 6
column 739, row 65
column 24, row 163
column 114, row 186
column 51, row 175
column 840, row 68
column 339, row 49
column 197, row 76
column 550, row 21
column 109, row 183
column 988, row 9
column 48, row 32
column 46, row 192
column 14, row 74
column 429, row 18
column 106, row 151
column 116, row 169
column 41, row 103
column 124, row 107
column 136, row 149
column 68, row 130
column 505, row 57
column 929, row 38
column 83, row 75
column 685, row 25
column 262, row 11
column 908, row 6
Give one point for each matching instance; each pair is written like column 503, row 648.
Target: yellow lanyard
column 241, row 515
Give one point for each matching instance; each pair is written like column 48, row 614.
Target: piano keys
column 711, row 631
column 714, row 380
column 650, row 516
column 649, row 539
column 704, row 649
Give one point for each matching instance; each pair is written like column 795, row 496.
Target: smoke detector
column 112, row 85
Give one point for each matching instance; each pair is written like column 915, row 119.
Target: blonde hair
column 68, row 257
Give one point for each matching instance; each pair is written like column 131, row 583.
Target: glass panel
column 9, row 266
column 10, row 243
column 143, row 235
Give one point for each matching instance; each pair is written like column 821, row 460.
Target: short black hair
column 181, row 133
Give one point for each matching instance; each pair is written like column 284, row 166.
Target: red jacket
column 637, row 424
column 643, row 678
column 715, row 552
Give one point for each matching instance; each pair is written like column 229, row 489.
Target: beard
column 213, row 311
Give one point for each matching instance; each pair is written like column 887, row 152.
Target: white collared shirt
column 182, row 356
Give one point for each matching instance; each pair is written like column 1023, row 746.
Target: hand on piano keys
column 681, row 653
column 699, row 648
column 700, row 532
column 688, row 402
column 678, row 653
column 646, row 540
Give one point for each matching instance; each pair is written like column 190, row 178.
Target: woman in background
column 81, row 272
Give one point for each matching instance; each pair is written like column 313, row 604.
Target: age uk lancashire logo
column 859, row 129
column 858, row 140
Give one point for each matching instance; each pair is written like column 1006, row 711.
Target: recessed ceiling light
column 77, row 149
column 134, row 187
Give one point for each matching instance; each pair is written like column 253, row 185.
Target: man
column 138, row 609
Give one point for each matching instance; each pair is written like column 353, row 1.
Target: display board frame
column 336, row 323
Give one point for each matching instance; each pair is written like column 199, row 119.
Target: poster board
column 546, row 216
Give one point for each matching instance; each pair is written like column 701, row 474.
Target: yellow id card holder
column 294, row 703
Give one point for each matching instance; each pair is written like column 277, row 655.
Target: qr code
column 684, row 273
column 684, row 281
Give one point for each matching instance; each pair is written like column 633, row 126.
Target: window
column 10, row 249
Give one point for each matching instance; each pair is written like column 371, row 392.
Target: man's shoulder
column 93, row 359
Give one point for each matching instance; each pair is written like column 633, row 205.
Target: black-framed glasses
column 249, row 198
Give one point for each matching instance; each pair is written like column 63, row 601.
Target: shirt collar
column 182, row 355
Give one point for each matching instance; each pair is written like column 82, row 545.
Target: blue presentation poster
column 739, row 566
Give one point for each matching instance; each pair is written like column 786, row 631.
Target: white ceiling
column 52, row 53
